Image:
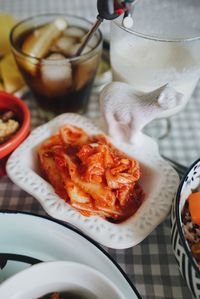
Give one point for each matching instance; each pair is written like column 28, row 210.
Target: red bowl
column 11, row 102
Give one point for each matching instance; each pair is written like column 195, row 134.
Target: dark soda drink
column 46, row 56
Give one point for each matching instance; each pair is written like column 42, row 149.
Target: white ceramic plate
column 32, row 238
column 159, row 182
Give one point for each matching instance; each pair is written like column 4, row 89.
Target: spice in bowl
column 9, row 125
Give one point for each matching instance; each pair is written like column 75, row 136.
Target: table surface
column 150, row 265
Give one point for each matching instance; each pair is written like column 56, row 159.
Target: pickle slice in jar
column 39, row 42
column 75, row 32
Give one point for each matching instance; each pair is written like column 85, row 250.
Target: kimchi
column 90, row 174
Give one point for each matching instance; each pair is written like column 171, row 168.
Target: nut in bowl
column 185, row 234
column 14, row 125
column 158, row 181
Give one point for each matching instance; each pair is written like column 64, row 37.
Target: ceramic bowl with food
column 185, row 232
column 94, row 200
column 14, row 124
column 60, row 279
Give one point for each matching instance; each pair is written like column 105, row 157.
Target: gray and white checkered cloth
column 151, row 265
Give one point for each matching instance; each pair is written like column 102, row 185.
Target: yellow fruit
column 1, row 82
column 6, row 24
column 12, row 80
column 0, row 72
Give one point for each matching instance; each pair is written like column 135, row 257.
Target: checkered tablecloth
column 150, row 265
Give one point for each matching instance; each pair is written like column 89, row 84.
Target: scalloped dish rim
column 154, row 209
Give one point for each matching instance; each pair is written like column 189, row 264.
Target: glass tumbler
column 162, row 47
column 60, row 80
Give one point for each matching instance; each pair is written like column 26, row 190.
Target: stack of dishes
column 27, row 239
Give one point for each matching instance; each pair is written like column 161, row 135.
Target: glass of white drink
column 162, row 47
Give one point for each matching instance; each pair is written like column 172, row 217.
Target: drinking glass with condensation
column 162, row 47
column 45, row 49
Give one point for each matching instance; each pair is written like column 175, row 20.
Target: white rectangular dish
column 159, row 182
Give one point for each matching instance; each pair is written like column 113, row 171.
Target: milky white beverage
column 149, row 64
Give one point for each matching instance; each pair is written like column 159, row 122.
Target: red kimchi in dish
column 90, row 174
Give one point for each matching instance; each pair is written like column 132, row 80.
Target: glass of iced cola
column 45, row 50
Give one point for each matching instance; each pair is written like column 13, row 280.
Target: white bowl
column 60, row 276
column 159, row 182
column 27, row 239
